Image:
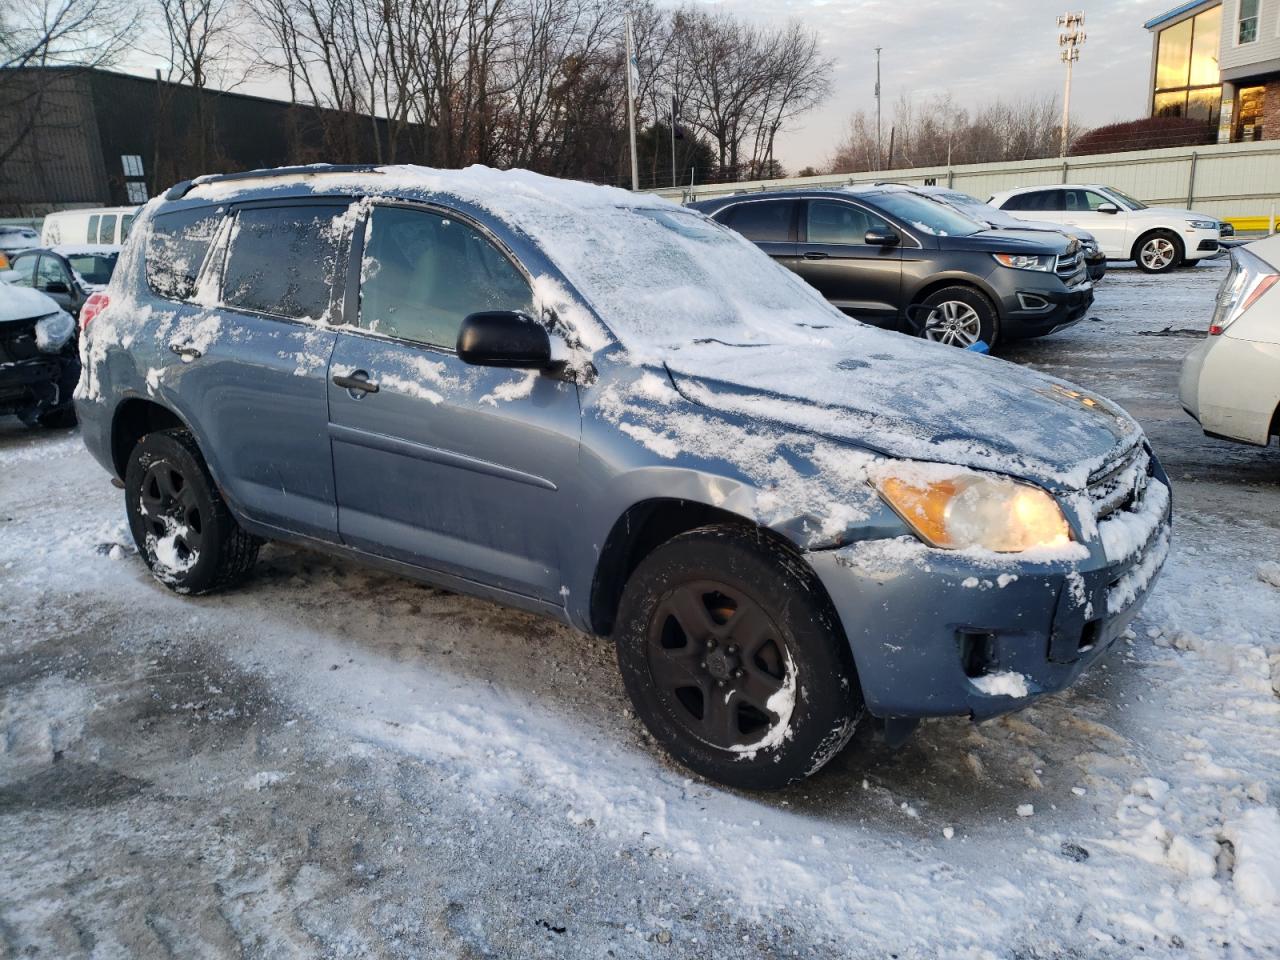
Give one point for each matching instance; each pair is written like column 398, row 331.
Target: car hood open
column 915, row 400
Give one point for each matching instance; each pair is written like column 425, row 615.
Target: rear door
column 864, row 280
column 447, row 466
column 770, row 224
column 250, row 373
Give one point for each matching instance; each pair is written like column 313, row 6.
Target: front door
column 864, row 280
column 447, row 466
column 53, row 280
column 1080, row 209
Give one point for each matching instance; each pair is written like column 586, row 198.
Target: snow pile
column 1006, row 683
column 1255, row 841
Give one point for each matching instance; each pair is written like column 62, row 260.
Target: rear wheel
column 179, row 521
column 959, row 317
column 734, row 659
column 1158, row 251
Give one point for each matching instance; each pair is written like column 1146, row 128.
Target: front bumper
column 1201, row 244
column 1034, row 309
column 923, row 633
column 36, row 386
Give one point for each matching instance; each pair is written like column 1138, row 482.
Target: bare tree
column 77, row 34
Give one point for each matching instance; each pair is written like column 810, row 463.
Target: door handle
column 356, row 382
column 186, row 351
column 814, row 255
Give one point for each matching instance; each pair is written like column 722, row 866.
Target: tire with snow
column 181, row 525
column 734, row 659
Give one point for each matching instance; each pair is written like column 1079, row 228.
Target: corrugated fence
column 1233, row 181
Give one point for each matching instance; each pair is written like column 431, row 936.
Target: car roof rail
column 181, row 189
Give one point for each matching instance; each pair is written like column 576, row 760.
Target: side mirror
column 881, row 238
column 1108, row 208
column 504, row 338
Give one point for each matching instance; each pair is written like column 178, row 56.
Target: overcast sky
column 977, row 51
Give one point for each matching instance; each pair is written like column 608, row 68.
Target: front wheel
column 734, row 659
column 1158, row 252
column 959, row 317
column 179, row 521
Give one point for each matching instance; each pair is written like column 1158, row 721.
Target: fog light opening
column 977, row 652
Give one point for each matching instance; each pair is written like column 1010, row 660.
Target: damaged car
column 39, row 366
column 611, row 410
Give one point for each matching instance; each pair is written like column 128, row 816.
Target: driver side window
column 51, row 275
column 423, row 273
column 831, row 221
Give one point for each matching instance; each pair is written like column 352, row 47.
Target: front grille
column 1068, row 264
column 18, row 341
column 1116, row 486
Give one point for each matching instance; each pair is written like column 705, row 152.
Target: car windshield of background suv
column 927, row 216
column 1126, row 200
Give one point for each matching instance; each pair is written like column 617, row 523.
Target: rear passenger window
column 282, row 261
column 91, row 235
column 176, row 247
column 763, row 221
column 107, row 229
column 126, row 224
column 1037, row 200
column 423, row 273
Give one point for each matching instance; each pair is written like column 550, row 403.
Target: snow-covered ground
column 335, row 762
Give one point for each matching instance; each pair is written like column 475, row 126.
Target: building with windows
column 1219, row 61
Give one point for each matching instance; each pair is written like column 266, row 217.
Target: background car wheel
column 58, row 418
column 959, row 317
column 181, row 525
column 1158, row 251
column 734, row 659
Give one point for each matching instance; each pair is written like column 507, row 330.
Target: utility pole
column 633, row 79
column 673, row 140
column 879, row 144
column 1070, row 38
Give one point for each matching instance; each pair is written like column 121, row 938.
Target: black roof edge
column 180, row 190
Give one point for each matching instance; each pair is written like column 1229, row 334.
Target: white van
column 93, row 225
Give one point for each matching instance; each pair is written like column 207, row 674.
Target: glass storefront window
column 1188, row 83
column 1248, row 125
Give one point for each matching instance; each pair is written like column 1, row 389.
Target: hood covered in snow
column 24, row 303
column 916, row 400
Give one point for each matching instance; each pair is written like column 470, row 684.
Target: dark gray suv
column 605, row 408
column 895, row 259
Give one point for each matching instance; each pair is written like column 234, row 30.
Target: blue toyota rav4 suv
column 614, row 411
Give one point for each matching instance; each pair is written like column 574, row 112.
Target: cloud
column 977, row 51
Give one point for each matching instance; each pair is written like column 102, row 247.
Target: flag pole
column 631, row 105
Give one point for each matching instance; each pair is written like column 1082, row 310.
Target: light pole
column 879, row 145
column 1070, row 38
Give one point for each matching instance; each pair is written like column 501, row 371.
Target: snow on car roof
column 24, row 303
column 86, row 249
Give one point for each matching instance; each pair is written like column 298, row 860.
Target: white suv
column 1157, row 238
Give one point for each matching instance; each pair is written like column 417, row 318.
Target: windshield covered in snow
column 926, row 215
column 663, row 277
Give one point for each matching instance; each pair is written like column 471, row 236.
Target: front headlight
column 1202, row 224
column 959, row 509
column 1022, row 261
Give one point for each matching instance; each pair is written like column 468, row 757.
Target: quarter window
column 764, row 221
column 423, row 273
column 177, row 244
column 833, row 222
column 282, row 261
